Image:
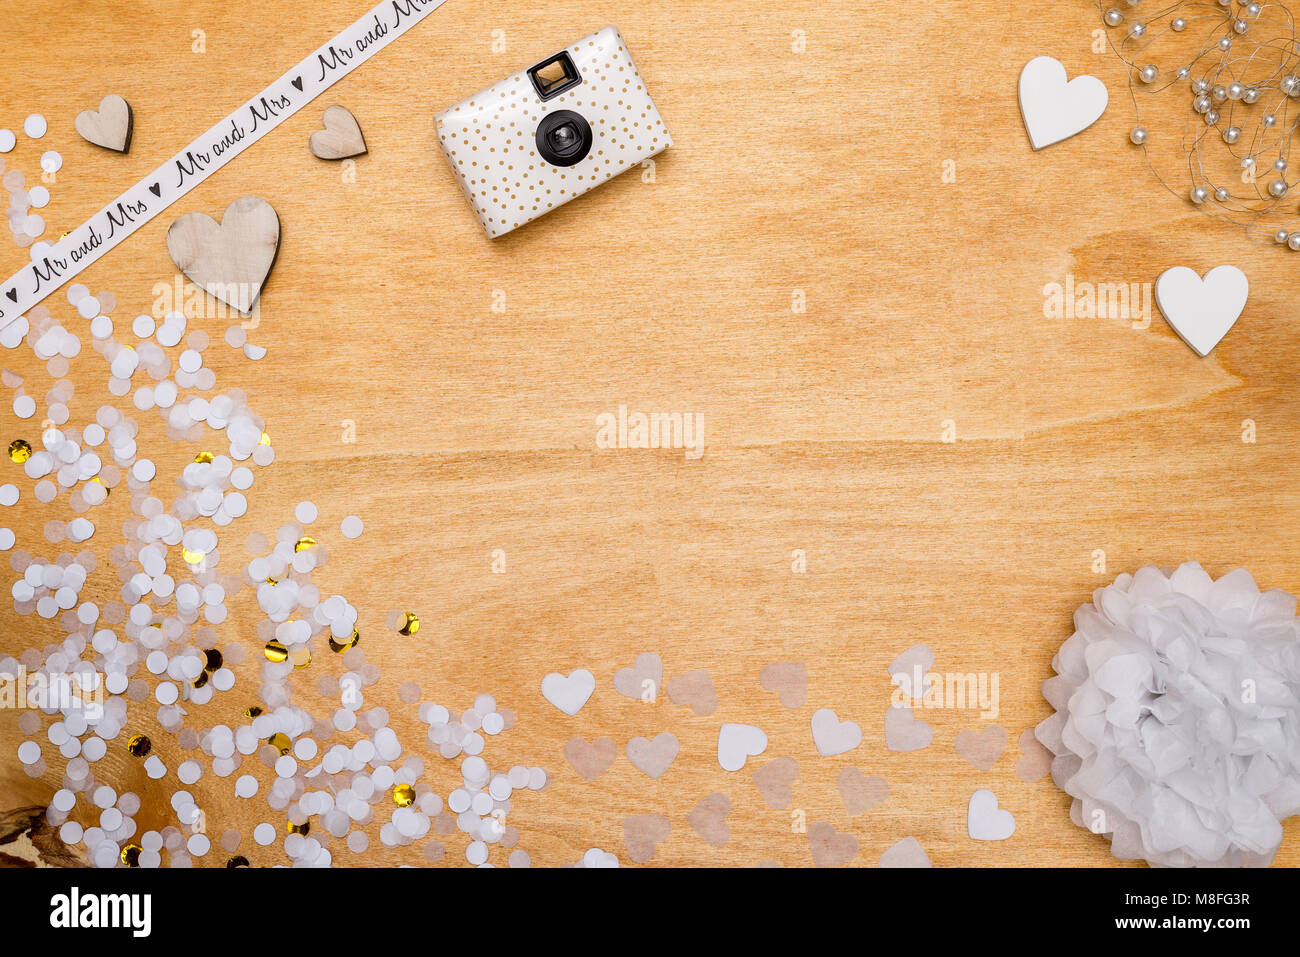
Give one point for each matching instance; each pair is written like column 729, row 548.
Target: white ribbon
column 209, row 152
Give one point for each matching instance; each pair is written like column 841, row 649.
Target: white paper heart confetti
column 1200, row 310
column 985, row 821
column 833, row 736
column 737, row 743
column 571, row 693
column 1053, row 109
column 904, row 731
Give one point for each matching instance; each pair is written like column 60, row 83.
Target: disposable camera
column 551, row 133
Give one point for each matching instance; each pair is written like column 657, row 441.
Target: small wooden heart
column 340, row 138
column 229, row 259
column 110, row 126
column 1200, row 310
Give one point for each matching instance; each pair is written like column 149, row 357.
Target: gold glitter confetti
column 410, row 624
column 20, row 450
column 204, row 458
column 131, row 855
column 201, row 680
column 252, row 711
column 302, row 828
column 264, row 440
column 239, row 860
column 403, row 795
column 192, row 558
column 276, row 651
column 272, row 581
column 303, row 544
column 139, row 746
column 338, row 647
column 280, row 741
column 214, row 660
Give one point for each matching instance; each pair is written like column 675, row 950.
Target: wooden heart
column 1053, row 109
column 340, row 138
column 110, row 126
column 229, row 259
column 1202, row 310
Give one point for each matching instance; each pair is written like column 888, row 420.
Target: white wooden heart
column 340, row 138
column 229, row 259
column 1053, row 109
column 1200, row 310
column 110, row 127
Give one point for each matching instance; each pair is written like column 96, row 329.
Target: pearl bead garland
column 1234, row 55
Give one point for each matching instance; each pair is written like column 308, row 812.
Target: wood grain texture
column 819, row 171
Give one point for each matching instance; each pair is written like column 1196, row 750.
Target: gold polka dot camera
column 552, row 132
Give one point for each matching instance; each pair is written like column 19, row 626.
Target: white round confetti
column 143, row 471
column 143, row 326
column 7, row 539
column 29, row 752
column 264, row 833
column 39, row 197
column 8, row 494
column 35, row 126
column 24, row 407
column 7, row 140
column 51, row 161
column 351, row 527
column 305, row 513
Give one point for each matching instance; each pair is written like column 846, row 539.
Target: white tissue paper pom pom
column 1177, row 725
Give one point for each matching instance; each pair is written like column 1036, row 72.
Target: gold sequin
column 252, row 711
column 201, row 680
column 338, row 647
column 410, row 624
column 239, row 860
column 264, row 440
column 302, row 828
column 300, row 656
column 130, row 855
column 214, row 660
column 280, row 741
column 204, row 458
column 139, row 746
column 276, row 651
column 403, row 795
column 192, row 558
column 20, row 450
column 304, row 543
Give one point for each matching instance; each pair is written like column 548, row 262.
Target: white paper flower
column 1177, row 724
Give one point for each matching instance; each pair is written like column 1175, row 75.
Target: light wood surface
column 820, row 172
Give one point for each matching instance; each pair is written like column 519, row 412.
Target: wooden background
column 819, row 171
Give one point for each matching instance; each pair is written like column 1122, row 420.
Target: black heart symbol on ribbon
column 297, row 83
column 156, row 189
column 12, row 294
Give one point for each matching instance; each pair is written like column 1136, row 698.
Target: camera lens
column 564, row 138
